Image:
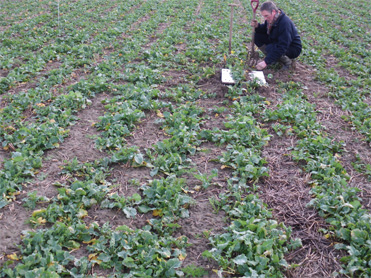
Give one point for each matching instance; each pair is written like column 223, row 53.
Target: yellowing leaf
column 14, row 193
column 13, row 257
column 348, row 205
column 225, row 166
column 187, row 191
column 182, row 257
column 159, row 114
column 41, row 221
column 38, row 211
column 73, row 245
column 92, row 241
column 157, row 212
column 225, row 58
column 82, row 213
column 94, row 257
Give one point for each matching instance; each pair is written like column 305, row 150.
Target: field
column 123, row 155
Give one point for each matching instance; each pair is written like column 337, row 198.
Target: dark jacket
column 284, row 38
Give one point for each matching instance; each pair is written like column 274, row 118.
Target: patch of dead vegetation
column 287, row 193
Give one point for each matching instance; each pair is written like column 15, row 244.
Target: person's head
column 268, row 10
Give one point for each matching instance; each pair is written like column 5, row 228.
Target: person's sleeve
column 262, row 28
column 285, row 37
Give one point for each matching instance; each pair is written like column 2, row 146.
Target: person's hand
column 254, row 23
column 261, row 65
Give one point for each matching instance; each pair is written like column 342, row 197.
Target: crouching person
column 277, row 37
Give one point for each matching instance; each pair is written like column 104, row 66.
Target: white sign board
column 227, row 77
column 259, row 77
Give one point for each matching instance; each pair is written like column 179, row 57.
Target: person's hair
column 268, row 6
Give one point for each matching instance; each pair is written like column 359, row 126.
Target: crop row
column 335, row 200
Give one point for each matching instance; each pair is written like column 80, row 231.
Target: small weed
column 206, row 233
column 215, row 204
column 32, row 200
column 361, row 167
column 194, row 271
column 205, row 179
column 219, row 109
column 134, row 182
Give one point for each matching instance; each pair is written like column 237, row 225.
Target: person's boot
column 286, row 62
column 293, row 64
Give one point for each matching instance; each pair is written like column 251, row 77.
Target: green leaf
column 129, row 212
column 104, row 257
column 17, row 157
column 138, row 158
column 71, row 244
column 173, row 263
column 124, row 228
column 165, row 252
column 240, row 260
column 80, row 191
column 275, row 258
column 136, row 197
column 344, row 234
column 3, row 203
column 82, row 213
column 144, row 209
column 129, row 262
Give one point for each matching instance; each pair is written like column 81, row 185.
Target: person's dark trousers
column 263, row 39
